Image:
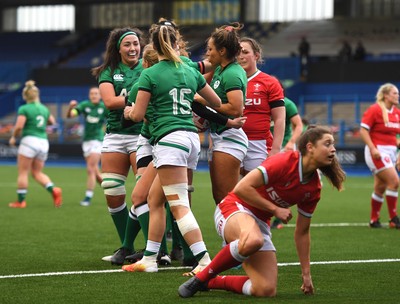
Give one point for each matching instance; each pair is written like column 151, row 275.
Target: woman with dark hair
column 242, row 218
column 116, row 76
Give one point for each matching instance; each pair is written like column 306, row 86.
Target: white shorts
column 387, row 160
column 256, row 154
column 119, row 143
column 144, row 148
column 180, row 148
column 34, row 147
column 222, row 217
column 232, row 141
column 91, row 147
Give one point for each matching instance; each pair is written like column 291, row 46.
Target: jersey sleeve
column 290, row 107
column 275, row 90
column 271, row 169
column 201, row 81
column 105, row 76
column 133, row 93
column 307, row 208
column 232, row 81
column 368, row 118
column 79, row 107
column 144, row 83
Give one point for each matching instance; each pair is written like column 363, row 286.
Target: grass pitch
column 53, row 255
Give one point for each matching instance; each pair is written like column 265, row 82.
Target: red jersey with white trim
column 262, row 89
column 380, row 133
column 283, row 185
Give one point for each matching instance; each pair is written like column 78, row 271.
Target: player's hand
column 73, row 103
column 284, row 214
column 375, row 153
column 12, row 141
column 307, row 288
column 289, row 146
column 127, row 111
column 236, row 123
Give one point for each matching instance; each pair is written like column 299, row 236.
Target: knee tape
column 177, row 195
column 187, row 223
column 113, row 184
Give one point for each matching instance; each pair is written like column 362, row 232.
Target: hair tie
column 168, row 23
column 123, row 36
column 229, row 28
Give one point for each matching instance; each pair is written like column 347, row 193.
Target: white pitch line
column 48, row 274
column 334, row 225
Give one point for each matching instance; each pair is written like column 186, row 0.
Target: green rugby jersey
column 291, row 110
column 95, row 116
column 172, row 87
column 122, row 78
column 230, row 78
column 37, row 116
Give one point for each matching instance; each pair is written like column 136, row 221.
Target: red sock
column 391, row 201
column 229, row 283
column 221, row 262
column 376, row 205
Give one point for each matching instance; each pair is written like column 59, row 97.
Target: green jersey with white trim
column 122, row 78
column 36, row 115
column 232, row 77
column 172, row 87
column 95, row 117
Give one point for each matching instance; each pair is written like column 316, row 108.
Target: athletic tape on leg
column 113, row 184
column 177, row 194
column 187, row 223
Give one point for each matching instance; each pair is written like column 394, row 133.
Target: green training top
column 95, row 116
column 122, row 78
column 230, row 78
column 172, row 87
column 37, row 116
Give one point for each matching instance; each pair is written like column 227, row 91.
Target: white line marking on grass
column 334, row 225
column 48, row 274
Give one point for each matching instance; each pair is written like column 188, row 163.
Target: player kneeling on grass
column 242, row 217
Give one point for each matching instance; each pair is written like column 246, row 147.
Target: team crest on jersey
column 118, row 77
column 257, row 87
column 216, row 84
column 87, row 110
column 100, row 110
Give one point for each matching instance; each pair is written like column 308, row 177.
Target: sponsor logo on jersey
column 276, row 198
column 92, row 119
column 216, row 84
column 87, row 110
column 100, row 110
column 118, row 77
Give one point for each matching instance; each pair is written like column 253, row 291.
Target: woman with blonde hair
column 168, row 88
column 379, row 128
column 33, row 117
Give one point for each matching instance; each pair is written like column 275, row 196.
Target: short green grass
column 42, row 239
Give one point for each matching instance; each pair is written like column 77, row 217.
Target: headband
column 123, row 36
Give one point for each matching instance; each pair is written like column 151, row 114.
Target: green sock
column 142, row 213
column 120, row 219
column 132, row 229
column 49, row 187
column 21, row 195
column 174, row 229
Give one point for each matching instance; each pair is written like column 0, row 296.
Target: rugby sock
column 225, row 259
column 376, row 205
column 152, row 248
column 391, row 200
column 49, row 187
column 132, row 230
column 120, row 217
column 21, row 194
column 229, row 283
column 142, row 212
column 88, row 195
